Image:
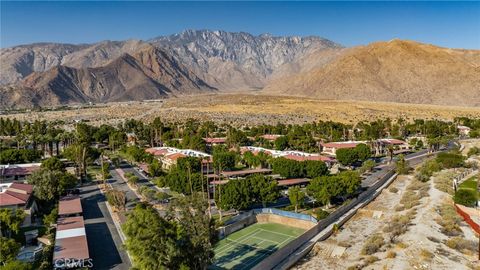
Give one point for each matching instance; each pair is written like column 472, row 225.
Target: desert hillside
column 394, row 71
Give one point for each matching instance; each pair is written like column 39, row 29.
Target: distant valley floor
column 241, row 108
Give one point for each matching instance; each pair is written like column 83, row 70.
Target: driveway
column 104, row 243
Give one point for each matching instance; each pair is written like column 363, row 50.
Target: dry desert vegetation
column 241, row 108
column 410, row 225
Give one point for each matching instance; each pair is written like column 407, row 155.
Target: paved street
column 104, row 243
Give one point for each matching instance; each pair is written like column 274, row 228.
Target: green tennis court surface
column 246, row 248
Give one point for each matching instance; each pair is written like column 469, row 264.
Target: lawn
column 471, row 183
column 247, row 247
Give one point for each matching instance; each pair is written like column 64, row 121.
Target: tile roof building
column 170, row 155
column 12, row 172
column 19, row 196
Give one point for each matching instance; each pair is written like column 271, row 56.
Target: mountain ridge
column 195, row 61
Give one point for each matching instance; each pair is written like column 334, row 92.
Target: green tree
column 363, row 152
column 367, row 166
column 224, row 160
column 265, row 189
column 50, row 219
column 48, row 185
column 16, row 265
column 10, row 220
column 151, row 240
column 402, row 166
column 288, row 168
column 346, row 156
column 8, row 249
column 314, row 168
column 197, row 231
column 116, row 198
column 235, row 194
column 155, row 168
column 296, row 196
column 281, row 143
column 53, row 164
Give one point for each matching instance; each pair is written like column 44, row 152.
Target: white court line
column 287, row 235
column 238, row 242
column 253, row 260
column 263, row 239
column 230, row 244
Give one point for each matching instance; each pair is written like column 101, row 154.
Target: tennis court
column 247, row 247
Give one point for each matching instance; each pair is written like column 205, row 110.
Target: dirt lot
column 251, row 108
column 422, row 246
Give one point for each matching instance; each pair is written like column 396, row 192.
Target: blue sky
column 449, row 24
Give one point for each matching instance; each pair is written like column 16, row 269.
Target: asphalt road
column 104, row 243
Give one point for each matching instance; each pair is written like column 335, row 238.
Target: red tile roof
column 215, row 140
column 175, row 156
column 20, row 186
column 18, row 171
column 16, row 194
column 6, row 199
column 271, row 137
column 69, row 205
column 294, row 181
column 339, row 145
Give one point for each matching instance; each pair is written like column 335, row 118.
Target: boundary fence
column 468, row 219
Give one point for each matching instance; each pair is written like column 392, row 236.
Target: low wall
column 248, row 220
column 292, row 222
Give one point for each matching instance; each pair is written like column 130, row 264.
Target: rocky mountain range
column 203, row 61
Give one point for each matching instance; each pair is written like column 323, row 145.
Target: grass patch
column 470, row 183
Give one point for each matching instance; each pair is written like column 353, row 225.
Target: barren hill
column 150, row 73
column 394, row 71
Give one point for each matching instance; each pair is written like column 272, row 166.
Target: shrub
column 450, row 160
column 461, row 244
column 467, row 197
column 370, row 260
column 410, row 199
column 391, row 254
column 373, row 244
column 397, row 226
column 133, row 180
column 426, row 254
column 162, row 196
column 321, row 214
column 473, row 151
column 449, row 220
column 393, row 190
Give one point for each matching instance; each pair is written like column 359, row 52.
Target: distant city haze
column 447, row 24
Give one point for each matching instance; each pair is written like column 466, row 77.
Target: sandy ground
column 423, row 235
column 242, row 108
